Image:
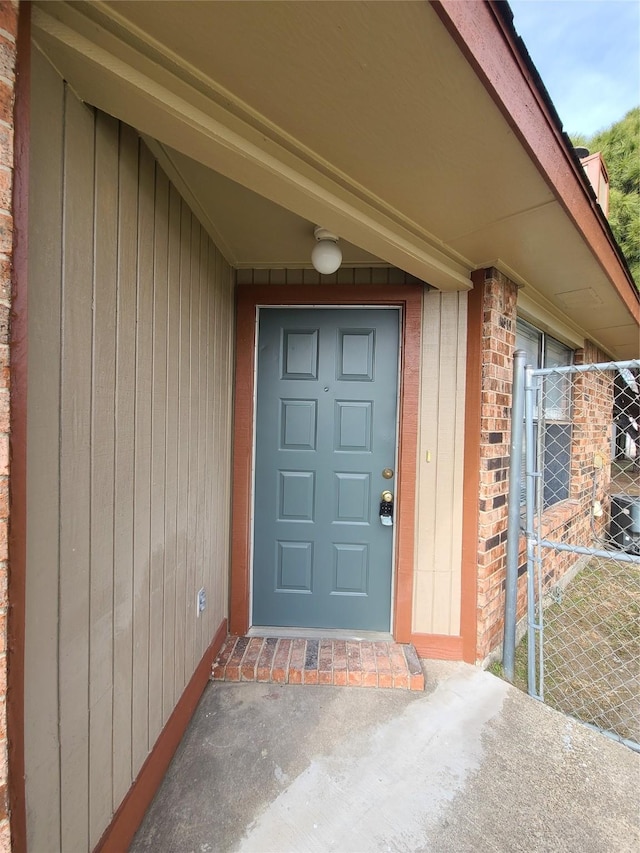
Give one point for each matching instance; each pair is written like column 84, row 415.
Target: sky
column 588, row 55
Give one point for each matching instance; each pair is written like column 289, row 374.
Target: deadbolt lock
column 386, row 509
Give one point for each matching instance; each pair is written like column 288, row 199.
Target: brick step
column 343, row 663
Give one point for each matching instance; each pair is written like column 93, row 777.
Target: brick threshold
column 342, row 663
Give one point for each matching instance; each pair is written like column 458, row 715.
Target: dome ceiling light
column 326, row 256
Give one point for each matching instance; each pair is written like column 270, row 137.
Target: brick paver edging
column 344, row 663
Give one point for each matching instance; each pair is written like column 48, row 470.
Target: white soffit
column 364, row 117
column 540, row 312
column 251, row 231
column 108, row 73
column 359, row 87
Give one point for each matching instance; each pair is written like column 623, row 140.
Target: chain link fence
column 580, row 514
column 591, row 647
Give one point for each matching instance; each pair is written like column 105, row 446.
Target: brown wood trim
column 438, row 646
column 242, row 461
column 480, row 32
column 471, row 484
column 408, row 467
column 409, row 297
column 118, row 835
column 18, row 438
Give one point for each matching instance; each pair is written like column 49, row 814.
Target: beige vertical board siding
column 439, row 508
column 197, row 366
column 343, row 276
column 458, row 464
column 217, row 431
column 124, row 464
column 201, row 631
column 158, row 453
column 222, row 324
column 427, row 473
column 201, row 435
column 42, row 757
column 222, row 330
column 206, row 455
column 230, row 325
column 276, row 276
column 209, row 615
column 223, row 495
column 184, row 411
column 142, row 471
column 213, row 267
column 128, row 469
column 75, row 485
column 193, row 507
column 171, row 506
column 447, row 451
column 102, row 482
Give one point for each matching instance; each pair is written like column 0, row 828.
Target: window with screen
column 552, row 416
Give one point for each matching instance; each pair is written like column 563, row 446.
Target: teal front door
column 325, row 433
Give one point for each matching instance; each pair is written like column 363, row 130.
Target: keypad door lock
column 386, row 509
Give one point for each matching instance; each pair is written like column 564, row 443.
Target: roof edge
column 510, row 77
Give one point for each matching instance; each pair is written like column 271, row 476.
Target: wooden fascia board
column 157, row 103
column 480, row 32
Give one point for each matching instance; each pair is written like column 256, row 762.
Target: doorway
column 326, row 416
column 253, row 299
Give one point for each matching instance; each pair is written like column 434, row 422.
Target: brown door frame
column 409, row 298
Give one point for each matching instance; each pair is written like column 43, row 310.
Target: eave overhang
column 415, row 131
column 486, row 36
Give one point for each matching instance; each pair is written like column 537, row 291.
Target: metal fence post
column 530, row 532
column 513, row 528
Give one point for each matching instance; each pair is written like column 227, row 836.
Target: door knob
column 387, row 497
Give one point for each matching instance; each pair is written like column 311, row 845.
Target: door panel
column 326, row 428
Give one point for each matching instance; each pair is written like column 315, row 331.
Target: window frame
column 547, row 422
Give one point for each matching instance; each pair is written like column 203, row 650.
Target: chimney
column 593, row 164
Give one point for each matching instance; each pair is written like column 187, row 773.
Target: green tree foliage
column 620, row 148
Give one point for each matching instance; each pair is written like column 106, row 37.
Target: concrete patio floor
column 471, row 764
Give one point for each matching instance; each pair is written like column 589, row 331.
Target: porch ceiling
column 363, row 117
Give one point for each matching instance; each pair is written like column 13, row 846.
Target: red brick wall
column 8, row 32
column 571, row 520
column 592, row 419
column 498, row 344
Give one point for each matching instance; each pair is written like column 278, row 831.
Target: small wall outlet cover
column 201, row 601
